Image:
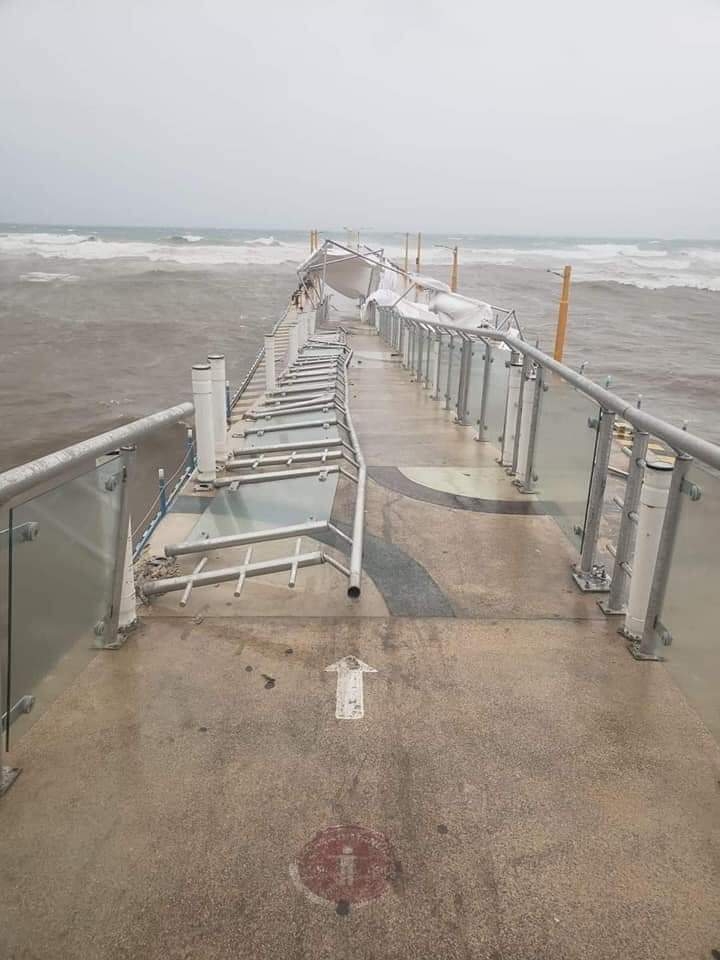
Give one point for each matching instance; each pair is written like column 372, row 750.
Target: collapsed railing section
column 554, row 429
column 308, row 397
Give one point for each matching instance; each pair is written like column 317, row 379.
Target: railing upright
column 466, row 357
column 529, row 478
column 435, row 392
column 451, row 354
column 514, row 380
column 428, row 354
column 487, row 363
column 588, row 575
column 646, row 649
column 419, row 356
column 524, row 379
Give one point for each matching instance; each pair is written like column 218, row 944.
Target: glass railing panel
column 262, row 506
column 428, row 354
column 477, row 377
column 61, row 568
column 496, row 397
column 452, row 390
column 564, row 453
column 418, row 362
column 444, row 357
column 689, row 610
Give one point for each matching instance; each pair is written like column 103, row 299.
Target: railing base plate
column 591, row 583
column 636, row 653
column 605, row 607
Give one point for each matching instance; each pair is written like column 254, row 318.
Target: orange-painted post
column 562, row 316
column 407, row 242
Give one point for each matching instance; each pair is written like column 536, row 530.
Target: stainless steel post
column 112, row 637
column 435, row 394
column 524, row 375
column 419, row 356
column 356, row 550
column 466, row 355
column 647, row 648
column 487, row 361
column 588, row 575
column 451, row 354
column 514, row 368
column 616, row 600
column 528, row 483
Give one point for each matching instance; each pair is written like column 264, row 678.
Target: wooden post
column 454, row 273
column 562, row 316
column 407, row 241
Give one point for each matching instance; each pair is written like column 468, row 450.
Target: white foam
column 185, row 238
column 263, row 242
column 628, row 263
column 194, row 253
column 37, row 277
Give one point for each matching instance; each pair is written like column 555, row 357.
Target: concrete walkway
column 518, row 788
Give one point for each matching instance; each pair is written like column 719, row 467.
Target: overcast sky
column 561, row 117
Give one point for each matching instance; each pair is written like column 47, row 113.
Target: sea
column 101, row 324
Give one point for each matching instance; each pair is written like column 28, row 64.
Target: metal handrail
column 358, row 530
column 24, row 478
column 680, row 440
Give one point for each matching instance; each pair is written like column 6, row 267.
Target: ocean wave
column 37, row 277
column 190, row 253
column 694, row 265
column 630, row 264
column 711, row 284
column 184, row 238
column 263, row 242
column 51, row 239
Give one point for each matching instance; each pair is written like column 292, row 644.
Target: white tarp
column 359, row 276
column 406, row 307
column 462, row 311
column 343, row 272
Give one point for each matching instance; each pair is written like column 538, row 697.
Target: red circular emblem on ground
column 345, row 865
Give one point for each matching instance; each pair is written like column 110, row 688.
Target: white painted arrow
column 349, row 695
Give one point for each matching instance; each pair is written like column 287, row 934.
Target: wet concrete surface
column 545, row 796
